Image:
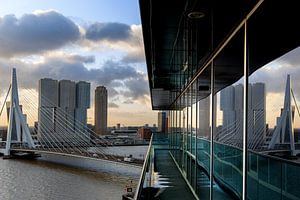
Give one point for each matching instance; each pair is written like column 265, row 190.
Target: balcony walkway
column 178, row 187
column 204, row 187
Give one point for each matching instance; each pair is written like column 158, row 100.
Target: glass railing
column 146, row 174
column 273, row 178
column 268, row 177
column 228, row 167
column 146, row 182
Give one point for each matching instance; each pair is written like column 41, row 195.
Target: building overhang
column 272, row 31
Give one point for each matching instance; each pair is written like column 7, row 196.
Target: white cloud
column 35, row 33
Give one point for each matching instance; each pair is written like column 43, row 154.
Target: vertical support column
column 196, row 134
column 245, row 122
column 191, row 132
column 170, row 129
column 177, row 132
column 182, row 132
column 173, row 131
column 182, row 122
column 187, row 133
column 212, row 115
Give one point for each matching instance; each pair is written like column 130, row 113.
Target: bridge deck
column 86, row 156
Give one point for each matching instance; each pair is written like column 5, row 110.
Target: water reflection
column 40, row 180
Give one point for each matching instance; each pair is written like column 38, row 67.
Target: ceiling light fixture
column 196, row 15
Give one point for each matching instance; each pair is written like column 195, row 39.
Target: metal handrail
column 142, row 176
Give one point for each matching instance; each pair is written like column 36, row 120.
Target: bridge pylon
column 284, row 131
column 18, row 131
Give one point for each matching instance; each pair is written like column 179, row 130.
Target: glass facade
column 234, row 128
column 225, row 132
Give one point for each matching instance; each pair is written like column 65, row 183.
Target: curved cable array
column 69, row 136
column 231, row 134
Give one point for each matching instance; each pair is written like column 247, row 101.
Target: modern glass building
column 211, row 66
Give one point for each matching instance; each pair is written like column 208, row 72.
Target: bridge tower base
column 18, row 132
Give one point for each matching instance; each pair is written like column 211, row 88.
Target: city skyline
column 81, row 81
column 105, row 49
column 60, row 103
column 100, row 47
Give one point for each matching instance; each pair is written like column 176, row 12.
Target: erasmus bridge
column 69, row 139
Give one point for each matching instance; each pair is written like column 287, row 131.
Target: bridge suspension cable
column 73, row 139
column 296, row 105
column 77, row 123
column 66, row 135
column 4, row 102
column 231, row 133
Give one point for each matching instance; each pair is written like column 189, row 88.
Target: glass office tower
column 216, row 67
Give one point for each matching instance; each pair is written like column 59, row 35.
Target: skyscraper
column 82, row 104
column 67, row 90
column 203, row 118
column 62, row 107
column 258, row 111
column 162, row 121
column 67, row 102
column 48, row 103
column 227, row 105
column 100, row 110
column 232, row 106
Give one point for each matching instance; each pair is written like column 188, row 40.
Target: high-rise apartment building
column 257, row 113
column 62, row 107
column 101, row 110
column 203, row 116
column 82, row 103
column 162, row 121
column 67, row 103
column 231, row 103
column 48, row 103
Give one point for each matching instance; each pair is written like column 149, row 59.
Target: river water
column 41, row 180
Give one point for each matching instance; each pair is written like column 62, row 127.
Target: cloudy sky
column 274, row 75
column 98, row 41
